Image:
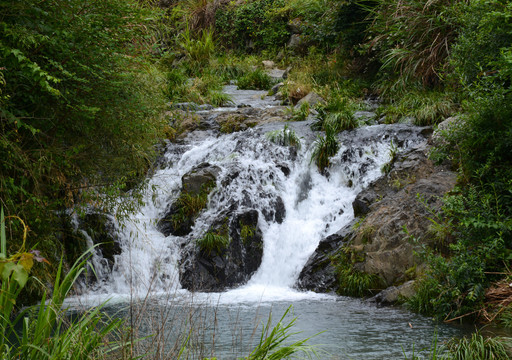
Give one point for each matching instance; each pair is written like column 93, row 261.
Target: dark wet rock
column 395, row 294
column 233, row 266
column 197, row 182
column 393, row 202
column 199, row 177
column 277, row 212
column 319, row 273
column 99, row 227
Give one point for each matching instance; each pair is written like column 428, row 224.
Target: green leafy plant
column 213, row 242
column 337, row 114
column 274, row 341
column 44, row 331
column 353, row 282
column 285, row 137
column 393, row 156
column 479, row 347
column 256, row 80
column 246, row 232
column 324, row 148
column 189, row 205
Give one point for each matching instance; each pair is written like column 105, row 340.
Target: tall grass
column 285, row 137
column 274, row 343
column 43, row 331
column 324, row 148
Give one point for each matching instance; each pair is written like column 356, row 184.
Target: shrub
column 324, row 148
column 413, row 38
column 285, row 137
column 80, row 107
column 255, row 80
column 252, row 25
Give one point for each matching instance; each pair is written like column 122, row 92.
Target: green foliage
column 337, row 114
column 252, row 25
column 485, row 27
column 331, row 24
column 213, row 242
column 79, row 106
column 274, row 342
column 198, row 51
column 324, row 148
column 285, row 137
column 478, row 347
column 246, row 232
column 255, row 80
column 393, row 156
column 301, row 113
column 189, row 205
column 43, row 331
column 353, row 282
column 424, row 107
column 413, row 38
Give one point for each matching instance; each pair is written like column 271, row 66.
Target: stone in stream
column 312, row 99
column 220, row 269
column 178, row 220
column 402, row 199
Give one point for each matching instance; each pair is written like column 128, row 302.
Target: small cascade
column 297, row 205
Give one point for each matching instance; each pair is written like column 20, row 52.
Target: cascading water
column 297, row 207
column 252, row 175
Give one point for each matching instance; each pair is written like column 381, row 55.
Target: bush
column 413, row 38
column 80, row 106
column 252, row 25
column 324, row 148
column 285, row 137
column 255, row 80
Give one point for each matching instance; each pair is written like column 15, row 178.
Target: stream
column 256, row 173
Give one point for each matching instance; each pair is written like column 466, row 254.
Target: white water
column 316, row 206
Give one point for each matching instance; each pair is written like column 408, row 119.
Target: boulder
column 395, row 294
column 268, row 64
column 319, row 272
column 218, row 270
column 197, row 182
column 312, row 99
column 199, row 178
column 400, row 200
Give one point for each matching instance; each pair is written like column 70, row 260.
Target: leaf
column 20, row 275
column 27, row 261
column 7, row 269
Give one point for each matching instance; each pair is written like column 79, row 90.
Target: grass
column 324, row 148
column 213, row 242
column 190, row 205
column 423, row 107
column 43, row 331
column 274, row 345
column 337, row 113
column 393, row 156
column 285, row 137
column 479, row 347
column 255, row 80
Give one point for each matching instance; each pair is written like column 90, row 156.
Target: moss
column 351, row 281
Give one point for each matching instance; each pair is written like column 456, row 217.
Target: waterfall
column 252, row 175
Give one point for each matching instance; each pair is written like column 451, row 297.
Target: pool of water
column 339, row 327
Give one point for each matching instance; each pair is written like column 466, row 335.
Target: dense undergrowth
column 83, row 85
